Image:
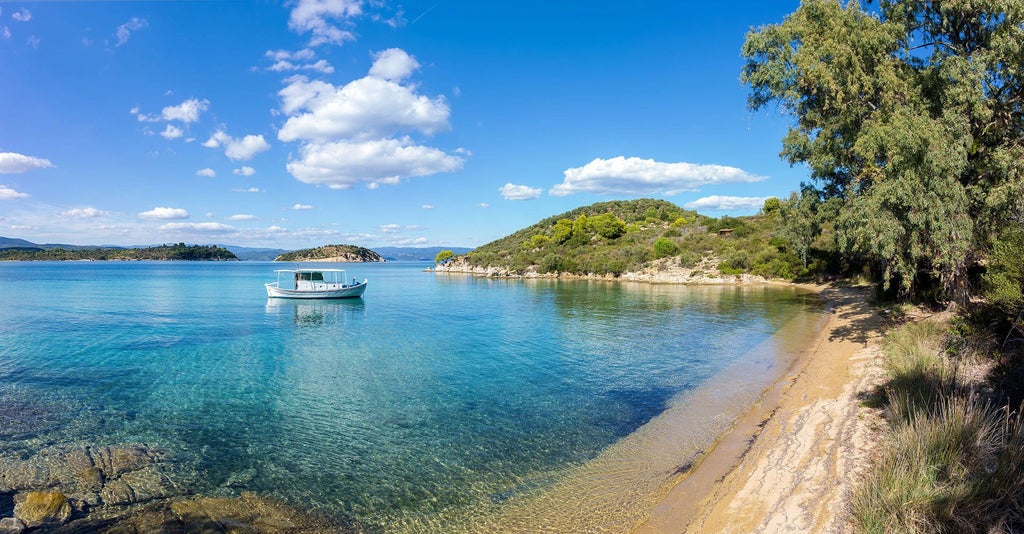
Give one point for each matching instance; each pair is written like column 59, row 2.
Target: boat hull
column 329, row 291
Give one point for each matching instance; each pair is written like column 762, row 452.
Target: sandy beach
column 790, row 463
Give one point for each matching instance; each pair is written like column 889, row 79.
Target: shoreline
column 791, row 461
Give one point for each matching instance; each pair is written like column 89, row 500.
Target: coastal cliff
column 332, row 253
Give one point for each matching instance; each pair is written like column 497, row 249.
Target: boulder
column 39, row 508
column 11, row 525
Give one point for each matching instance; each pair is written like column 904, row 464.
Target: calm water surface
column 432, row 398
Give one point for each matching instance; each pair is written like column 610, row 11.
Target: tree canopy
column 910, row 116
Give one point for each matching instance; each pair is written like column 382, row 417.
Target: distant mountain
column 255, row 254
column 416, row 253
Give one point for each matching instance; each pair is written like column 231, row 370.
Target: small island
column 177, row 252
column 332, row 253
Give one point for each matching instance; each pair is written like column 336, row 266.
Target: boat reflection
column 317, row 312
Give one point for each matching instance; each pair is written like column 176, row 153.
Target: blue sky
column 302, row 123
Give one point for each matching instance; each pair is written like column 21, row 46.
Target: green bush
column 664, row 248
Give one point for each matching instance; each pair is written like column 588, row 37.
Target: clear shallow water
column 434, row 397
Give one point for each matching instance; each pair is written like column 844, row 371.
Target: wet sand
column 791, row 461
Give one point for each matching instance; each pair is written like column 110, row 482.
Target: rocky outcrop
column 42, row 508
column 91, row 476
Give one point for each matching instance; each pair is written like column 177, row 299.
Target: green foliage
column 1004, row 277
column 910, row 119
column 177, row 252
column 800, row 224
column 352, row 252
column 771, row 206
column 443, row 256
column 664, row 247
column 608, row 226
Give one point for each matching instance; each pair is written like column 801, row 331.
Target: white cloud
column 213, row 227
column 296, row 61
column 343, row 164
column 84, row 213
column 393, row 64
column 12, row 162
column 208, row 172
column 249, row 190
column 511, row 191
column 427, row 206
column 124, row 31
column 635, row 176
column 237, row 149
column 483, row 205
column 242, row 217
column 366, row 108
column 245, row 170
column 8, row 193
column 725, row 203
column 5, row 32
column 22, row 15
column 322, row 17
column 164, row 213
column 172, row 132
column 390, row 228
column 33, row 41
column 188, row 111
column 302, row 207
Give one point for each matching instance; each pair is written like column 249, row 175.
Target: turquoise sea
column 436, row 403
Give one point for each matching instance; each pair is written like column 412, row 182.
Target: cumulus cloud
column 302, row 207
column 124, row 31
column 635, row 176
column 359, row 132
column 213, row 227
column 242, row 217
column 343, row 164
column 366, row 108
column 245, row 170
column 12, row 162
column 725, row 203
column 8, row 193
column 188, row 111
column 172, row 132
column 427, row 206
column 84, row 213
column 237, row 149
column 164, row 213
column 511, row 191
column 22, row 15
column 393, row 64
column 208, row 172
column 322, row 18
column 5, row 32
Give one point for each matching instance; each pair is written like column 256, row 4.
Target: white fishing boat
column 315, row 284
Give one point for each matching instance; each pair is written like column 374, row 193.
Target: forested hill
column 332, row 253
column 180, row 252
column 627, row 236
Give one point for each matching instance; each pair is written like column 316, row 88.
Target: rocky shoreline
column 664, row 271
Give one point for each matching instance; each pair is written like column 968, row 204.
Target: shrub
column 664, row 247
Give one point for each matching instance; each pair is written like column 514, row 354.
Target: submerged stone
column 11, row 525
column 39, row 508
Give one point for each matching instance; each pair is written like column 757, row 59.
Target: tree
column 800, row 221
column 608, row 226
column 911, row 117
column 443, row 256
